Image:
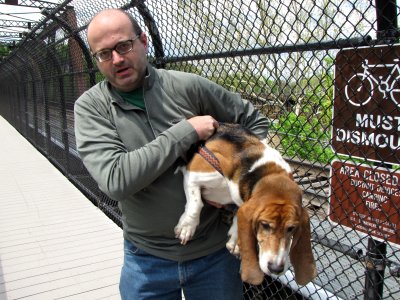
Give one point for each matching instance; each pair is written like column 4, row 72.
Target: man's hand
column 204, row 125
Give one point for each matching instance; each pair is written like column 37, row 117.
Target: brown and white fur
column 270, row 219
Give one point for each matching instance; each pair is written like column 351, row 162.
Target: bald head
column 109, row 17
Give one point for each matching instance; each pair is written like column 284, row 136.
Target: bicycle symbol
column 361, row 86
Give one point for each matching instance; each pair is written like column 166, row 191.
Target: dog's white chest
column 214, row 187
column 217, row 192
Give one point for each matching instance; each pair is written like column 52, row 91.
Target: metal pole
column 375, row 270
column 387, row 32
column 386, row 17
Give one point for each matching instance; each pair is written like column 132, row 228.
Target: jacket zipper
column 147, row 114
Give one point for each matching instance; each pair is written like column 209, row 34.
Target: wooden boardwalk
column 54, row 243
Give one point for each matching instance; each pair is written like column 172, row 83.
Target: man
column 133, row 130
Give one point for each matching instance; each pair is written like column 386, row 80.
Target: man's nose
column 116, row 57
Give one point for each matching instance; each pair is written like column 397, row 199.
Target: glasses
column 121, row 48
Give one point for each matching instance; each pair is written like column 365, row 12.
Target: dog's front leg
column 232, row 244
column 191, row 217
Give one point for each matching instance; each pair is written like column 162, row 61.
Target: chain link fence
column 325, row 72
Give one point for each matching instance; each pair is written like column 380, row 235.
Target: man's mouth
column 122, row 71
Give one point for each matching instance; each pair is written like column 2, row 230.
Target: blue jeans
column 144, row 276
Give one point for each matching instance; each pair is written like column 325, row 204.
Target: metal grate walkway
column 54, row 243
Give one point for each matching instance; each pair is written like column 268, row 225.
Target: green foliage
column 99, row 77
column 4, row 50
column 307, row 135
column 304, row 137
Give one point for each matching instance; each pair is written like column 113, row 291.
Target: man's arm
column 223, row 105
column 119, row 172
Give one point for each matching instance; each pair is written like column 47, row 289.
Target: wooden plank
column 54, row 243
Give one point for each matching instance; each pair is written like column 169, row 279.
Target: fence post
column 375, row 269
column 386, row 18
column 387, row 31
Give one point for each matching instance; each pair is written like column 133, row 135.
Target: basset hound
column 270, row 220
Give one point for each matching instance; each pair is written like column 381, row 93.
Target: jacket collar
column 147, row 85
column 149, row 78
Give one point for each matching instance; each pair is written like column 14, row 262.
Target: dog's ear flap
column 301, row 255
column 250, row 268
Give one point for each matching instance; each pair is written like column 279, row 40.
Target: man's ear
column 301, row 255
column 144, row 40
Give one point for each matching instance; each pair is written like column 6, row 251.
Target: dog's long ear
column 250, row 268
column 301, row 255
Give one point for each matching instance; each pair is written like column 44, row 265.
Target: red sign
column 366, row 112
column 366, row 199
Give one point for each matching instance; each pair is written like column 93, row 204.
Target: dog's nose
column 275, row 268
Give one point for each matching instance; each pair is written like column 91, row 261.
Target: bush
column 304, row 138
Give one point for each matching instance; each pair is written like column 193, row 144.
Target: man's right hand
column 204, row 125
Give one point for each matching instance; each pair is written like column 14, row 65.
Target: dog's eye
column 291, row 229
column 265, row 226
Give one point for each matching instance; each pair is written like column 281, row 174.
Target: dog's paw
column 233, row 246
column 254, row 276
column 185, row 228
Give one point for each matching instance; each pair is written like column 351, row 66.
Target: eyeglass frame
column 115, row 49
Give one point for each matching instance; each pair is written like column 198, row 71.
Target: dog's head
column 280, row 227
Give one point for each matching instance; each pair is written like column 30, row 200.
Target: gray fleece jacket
column 134, row 154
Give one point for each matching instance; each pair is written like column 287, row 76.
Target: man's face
column 124, row 71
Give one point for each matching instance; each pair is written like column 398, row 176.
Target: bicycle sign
column 389, row 87
column 366, row 110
